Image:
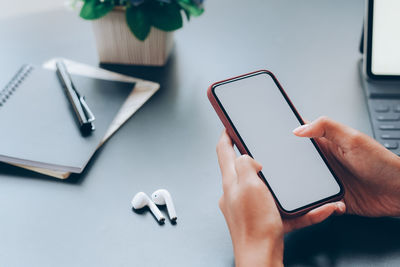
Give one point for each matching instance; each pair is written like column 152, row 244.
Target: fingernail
column 341, row 207
column 300, row 129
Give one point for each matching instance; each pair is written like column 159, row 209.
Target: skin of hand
column 251, row 214
column 369, row 172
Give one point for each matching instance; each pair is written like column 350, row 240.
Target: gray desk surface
column 312, row 47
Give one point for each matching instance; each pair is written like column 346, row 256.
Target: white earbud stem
column 141, row 200
column 163, row 197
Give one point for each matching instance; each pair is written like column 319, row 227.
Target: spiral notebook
column 39, row 128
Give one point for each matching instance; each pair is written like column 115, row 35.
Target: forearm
column 396, row 197
column 394, row 189
column 263, row 253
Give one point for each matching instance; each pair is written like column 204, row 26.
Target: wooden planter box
column 117, row 44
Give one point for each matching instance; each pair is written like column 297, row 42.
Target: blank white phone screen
column 385, row 58
column 292, row 166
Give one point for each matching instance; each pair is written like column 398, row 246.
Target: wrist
column 267, row 252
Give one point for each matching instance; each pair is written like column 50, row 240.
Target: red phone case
column 243, row 150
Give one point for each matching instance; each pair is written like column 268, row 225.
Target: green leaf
column 187, row 14
column 94, row 9
column 166, row 17
column 138, row 22
column 191, row 8
column 189, row 2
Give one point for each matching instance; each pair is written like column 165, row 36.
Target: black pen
column 81, row 109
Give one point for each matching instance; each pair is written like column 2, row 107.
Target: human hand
column 369, row 172
column 251, row 214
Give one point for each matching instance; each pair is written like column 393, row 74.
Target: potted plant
column 137, row 31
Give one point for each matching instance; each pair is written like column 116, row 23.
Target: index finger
column 331, row 130
column 226, row 159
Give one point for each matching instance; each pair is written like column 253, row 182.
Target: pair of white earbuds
column 159, row 197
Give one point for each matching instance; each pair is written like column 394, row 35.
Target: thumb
column 327, row 128
column 314, row 216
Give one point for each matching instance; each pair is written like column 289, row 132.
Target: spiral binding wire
column 12, row 85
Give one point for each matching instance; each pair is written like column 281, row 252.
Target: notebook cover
column 143, row 91
column 40, row 129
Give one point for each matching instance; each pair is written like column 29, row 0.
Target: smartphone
column 260, row 118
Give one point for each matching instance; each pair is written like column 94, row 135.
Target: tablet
column 382, row 39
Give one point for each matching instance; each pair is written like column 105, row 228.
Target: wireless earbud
column 163, row 197
column 141, row 200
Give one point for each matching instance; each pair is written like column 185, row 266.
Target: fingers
column 315, row 216
column 246, row 167
column 226, row 159
column 329, row 129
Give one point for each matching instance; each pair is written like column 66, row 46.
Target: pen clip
column 89, row 114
